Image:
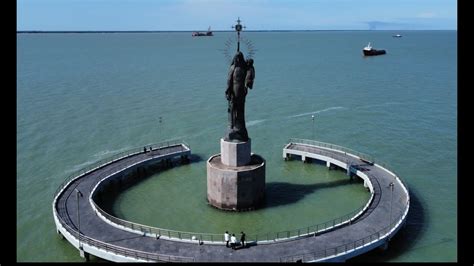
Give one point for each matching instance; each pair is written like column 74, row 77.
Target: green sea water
column 84, row 97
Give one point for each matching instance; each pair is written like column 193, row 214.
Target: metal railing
column 160, row 232
column 313, row 230
column 345, row 248
column 138, row 255
column 269, row 237
column 332, row 146
column 347, row 150
column 256, row 238
column 116, row 157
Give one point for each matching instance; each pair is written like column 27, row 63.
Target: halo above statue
column 233, row 44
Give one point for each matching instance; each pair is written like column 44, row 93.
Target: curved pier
column 117, row 240
column 384, row 217
column 74, row 213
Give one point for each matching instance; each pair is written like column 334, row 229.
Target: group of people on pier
column 233, row 240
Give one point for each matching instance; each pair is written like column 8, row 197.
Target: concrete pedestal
column 235, row 177
column 235, row 153
column 236, row 188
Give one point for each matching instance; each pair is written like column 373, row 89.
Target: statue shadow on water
column 139, row 175
column 283, row 193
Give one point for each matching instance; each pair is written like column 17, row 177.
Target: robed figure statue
column 239, row 79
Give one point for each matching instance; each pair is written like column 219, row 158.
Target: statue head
column 250, row 62
column 238, row 59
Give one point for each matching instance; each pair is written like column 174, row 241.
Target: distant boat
column 397, row 36
column 368, row 50
column 208, row 33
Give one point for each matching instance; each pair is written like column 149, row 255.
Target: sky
column 190, row 15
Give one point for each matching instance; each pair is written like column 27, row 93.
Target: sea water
column 84, row 97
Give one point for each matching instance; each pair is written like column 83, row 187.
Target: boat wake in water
column 319, row 111
column 255, row 122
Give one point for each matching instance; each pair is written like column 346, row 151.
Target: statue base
column 235, row 153
column 236, row 188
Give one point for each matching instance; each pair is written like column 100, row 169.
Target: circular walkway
column 101, row 236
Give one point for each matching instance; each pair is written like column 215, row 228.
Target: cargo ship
column 368, row 50
column 208, row 33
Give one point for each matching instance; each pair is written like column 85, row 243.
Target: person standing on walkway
column 233, row 241
column 242, row 239
column 226, row 239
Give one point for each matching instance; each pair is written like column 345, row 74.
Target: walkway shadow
column 194, row 158
column 139, row 175
column 282, row 193
column 406, row 238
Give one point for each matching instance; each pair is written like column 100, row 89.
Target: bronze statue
column 239, row 80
